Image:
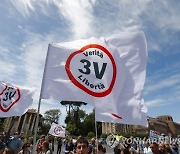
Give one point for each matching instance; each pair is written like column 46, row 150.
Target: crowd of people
column 17, row 144
column 146, row 146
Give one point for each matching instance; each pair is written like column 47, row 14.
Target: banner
column 154, row 134
column 14, row 101
column 107, row 72
column 57, row 130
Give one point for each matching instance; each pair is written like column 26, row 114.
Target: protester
column 69, row 147
column 147, row 149
column 154, row 148
column 39, row 144
column 45, row 148
column 101, row 149
column 92, row 146
column 25, row 149
column 82, row 146
column 59, row 145
column 162, row 148
column 16, row 143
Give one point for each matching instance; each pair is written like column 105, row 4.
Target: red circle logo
column 9, row 97
column 92, row 69
column 57, row 130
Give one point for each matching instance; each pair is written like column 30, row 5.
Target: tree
column 74, row 121
column 1, row 123
column 51, row 116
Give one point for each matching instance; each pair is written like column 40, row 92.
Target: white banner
column 57, row 130
column 108, row 72
column 14, row 101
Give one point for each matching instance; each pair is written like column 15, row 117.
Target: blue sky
column 28, row 26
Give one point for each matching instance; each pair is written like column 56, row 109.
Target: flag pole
column 39, row 104
column 96, row 131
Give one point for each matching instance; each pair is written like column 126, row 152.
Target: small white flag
column 57, row 130
column 14, row 101
column 107, row 72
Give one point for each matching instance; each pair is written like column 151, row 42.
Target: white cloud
column 23, row 7
column 167, row 82
column 7, row 70
column 79, row 14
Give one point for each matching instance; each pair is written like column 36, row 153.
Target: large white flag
column 133, row 113
column 108, row 72
column 14, row 101
column 57, row 130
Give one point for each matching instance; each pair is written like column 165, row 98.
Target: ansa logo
column 92, row 69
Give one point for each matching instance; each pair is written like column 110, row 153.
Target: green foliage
column 44, row 129
column 90, row 135
column 80, row 123
column 104, row 135
column 51, row 116
column 1, row 124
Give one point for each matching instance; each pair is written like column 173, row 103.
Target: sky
column 28, row 26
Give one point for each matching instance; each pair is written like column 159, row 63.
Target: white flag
column 14, row 101
column 108, row 72
column 57, row 130
column 133, row 113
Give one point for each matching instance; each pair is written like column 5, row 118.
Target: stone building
column 115, row 128
column 164, row 124
column 24, row 124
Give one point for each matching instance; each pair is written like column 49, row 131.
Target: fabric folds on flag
column 57, row 130
column 14, row 101
column 107, row 72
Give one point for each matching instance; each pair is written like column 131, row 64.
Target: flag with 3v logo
column 14, row 101
column 107, row 72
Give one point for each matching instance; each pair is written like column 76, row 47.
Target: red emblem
column 9, row 97
column 57, row 130
column 92, row 69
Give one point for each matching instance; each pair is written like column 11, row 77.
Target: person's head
column 16, row 134
column 42, row 138
column 82, row 146
column 25, row 146
column 93, row 140
column 45, row 145
column 168, row 148
column 8, row 151
column 101, row 149
column 154, row 148
column 162, row 148
column 2, row 147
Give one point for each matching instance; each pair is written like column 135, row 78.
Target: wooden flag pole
column 39, row 104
